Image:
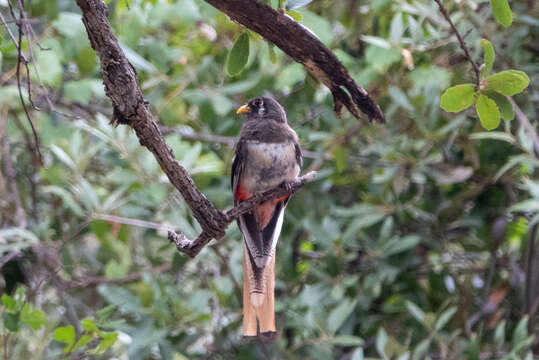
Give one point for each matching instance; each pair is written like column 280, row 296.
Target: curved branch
column 306, row 49
column 130, row 108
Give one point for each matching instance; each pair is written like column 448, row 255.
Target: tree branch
column 193, row 247
column 461, row 42
column 306, row 49
column 130, row 107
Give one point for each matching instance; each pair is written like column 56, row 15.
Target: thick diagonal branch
column 130, row 108
column 305, row 48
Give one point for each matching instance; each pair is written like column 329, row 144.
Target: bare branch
column 461, row 42
column 130, row 107
column 193, row 247
column 306, row 49
column 90, row 280
column 22, row 58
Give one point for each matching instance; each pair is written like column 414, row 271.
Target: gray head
column 263, row 107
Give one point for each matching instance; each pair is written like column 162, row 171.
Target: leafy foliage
column 389, row 254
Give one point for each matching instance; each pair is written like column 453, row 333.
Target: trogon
column 267, row 155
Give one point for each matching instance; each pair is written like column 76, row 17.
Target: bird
column 267, row 154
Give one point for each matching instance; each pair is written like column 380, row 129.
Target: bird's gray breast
column 269, row 165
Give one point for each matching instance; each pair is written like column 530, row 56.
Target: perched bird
column 267, row 155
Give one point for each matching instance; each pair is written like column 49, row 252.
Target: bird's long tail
column 258, row 297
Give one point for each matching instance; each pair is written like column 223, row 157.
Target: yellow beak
column 244, row 109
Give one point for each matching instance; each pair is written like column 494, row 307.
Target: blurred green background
column 412, row 243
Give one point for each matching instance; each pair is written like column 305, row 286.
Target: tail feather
column 258, row 297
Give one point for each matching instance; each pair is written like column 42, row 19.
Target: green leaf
column 502, row 12
column 272, row 54
column 11, row 321
column 521, row 331
column 489, row 57
column 108, row 340
column 509, row 82
column 458, row 98
column 9, row 303
column 506, row 108
column 340, row 314
column 499, row 335
column 86, row 60
column 347, row 340
column 65, row 334
column 488, row 112
column 381, row 341
column 296, row 4
column 83, row 340
column 105, row 313
column 89, row 325
column 296, row 15
column 444, row 318
column 33, row 318
column 238, row 55
column 415, row 311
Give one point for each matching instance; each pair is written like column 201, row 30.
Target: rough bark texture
column 306, row 49
column 131, row 109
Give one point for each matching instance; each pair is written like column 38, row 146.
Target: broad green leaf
column 488, row 112
column 415, row 311
column 397, row 244
column 502, row 12
column 272, row 54
column 69, row 24
column 296, row 4
column 83, row 340
column 347, row 340
column 238, row 55
column 136, row 60
column 499, row 335
column 506, row 108
column 381, row 341
column 458, row 98
column 339, row 314
column 381, row 58
column 108, row 340
column 9, row 303
column 509, row 82
column 33, row 318
column 494, row 135
column 444, row 318
column 65, row 334
column 489, row 57
column 11, row 322
column 296, row 15
column 89, row 325
column 521, row 331
column 105, row 313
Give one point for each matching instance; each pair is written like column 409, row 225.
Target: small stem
column 461, row 42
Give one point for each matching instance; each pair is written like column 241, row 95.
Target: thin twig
column 461, row 42
column 90, row 280
column 193, row 247
column 22, row 58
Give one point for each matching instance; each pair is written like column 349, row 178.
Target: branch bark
column 306, row 49
column 130, row 108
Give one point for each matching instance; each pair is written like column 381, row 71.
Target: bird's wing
column 262, row 226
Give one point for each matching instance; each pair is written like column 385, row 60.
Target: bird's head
column 263, row 107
